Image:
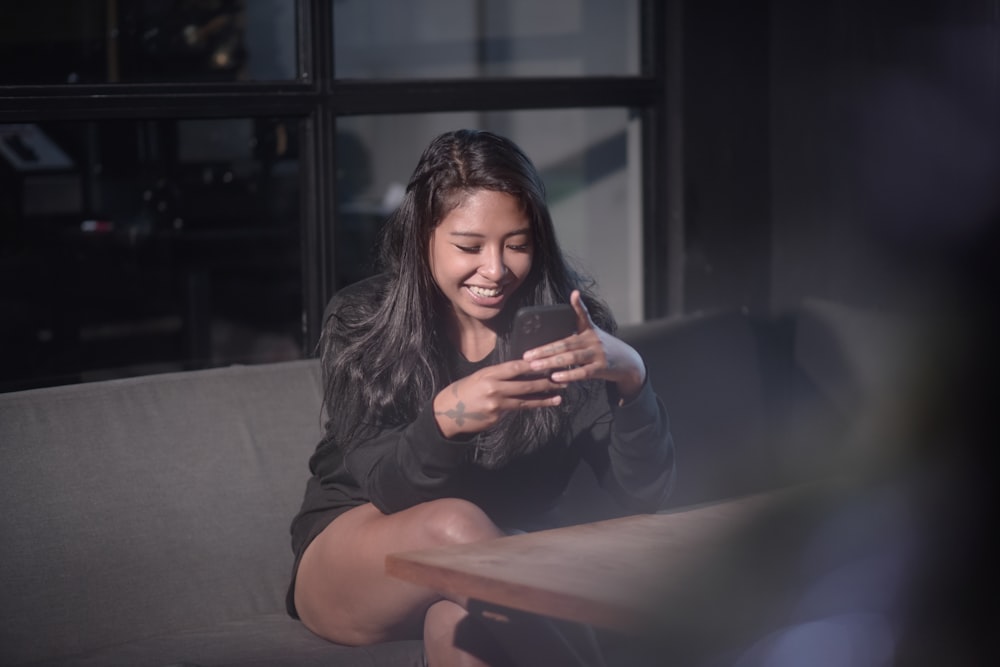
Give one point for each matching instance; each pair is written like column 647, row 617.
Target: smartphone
column 535, row 326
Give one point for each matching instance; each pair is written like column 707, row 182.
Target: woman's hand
column 478, row 401
column 590, row 354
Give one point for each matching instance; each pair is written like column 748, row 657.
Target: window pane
column 589, row 159
column 493, row 38
column 135, row 247
column 144, row 41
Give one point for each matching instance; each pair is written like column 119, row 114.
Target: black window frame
column 317, row 99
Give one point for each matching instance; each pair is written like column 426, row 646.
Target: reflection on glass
column 492, row 38
column 144, row 41
column 130, row 247
column 589, row 159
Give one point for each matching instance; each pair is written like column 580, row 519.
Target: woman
column 433, row 437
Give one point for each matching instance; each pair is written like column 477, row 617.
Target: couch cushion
column 273, row 640
column 147, row 506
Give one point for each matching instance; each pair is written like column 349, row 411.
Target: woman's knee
column 455, row 521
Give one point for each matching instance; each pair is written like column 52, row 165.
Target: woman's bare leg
column 440, row 627
column 343, row 594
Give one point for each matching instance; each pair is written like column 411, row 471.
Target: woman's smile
column 487, row 297
column 485, row 292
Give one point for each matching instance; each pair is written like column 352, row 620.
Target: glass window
column 146, row 41
column 376, row 39
column 589, row 159
column 141, row 246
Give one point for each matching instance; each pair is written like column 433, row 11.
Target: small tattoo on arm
column 459, row 415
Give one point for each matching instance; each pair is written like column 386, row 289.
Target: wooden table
column 599, row 574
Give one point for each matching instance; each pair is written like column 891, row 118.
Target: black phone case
column 537, row 325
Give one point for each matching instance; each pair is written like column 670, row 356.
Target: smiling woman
column 440, row 437
column 480, row 254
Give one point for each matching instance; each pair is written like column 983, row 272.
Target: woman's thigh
column 341, row 590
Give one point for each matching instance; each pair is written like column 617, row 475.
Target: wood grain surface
column 608, row 574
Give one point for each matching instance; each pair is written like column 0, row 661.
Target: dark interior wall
column 809, row 223
column 831, row 148
column 725, row 134
column 884, row 126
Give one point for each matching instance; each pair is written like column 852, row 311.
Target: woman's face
column 480, row 254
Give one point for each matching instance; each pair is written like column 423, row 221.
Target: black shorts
column 311, row 520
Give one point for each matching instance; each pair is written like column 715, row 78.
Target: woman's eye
column 466, row 248
column 519, row 248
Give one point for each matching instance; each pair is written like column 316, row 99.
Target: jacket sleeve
column 633, row 455
column 402, row 467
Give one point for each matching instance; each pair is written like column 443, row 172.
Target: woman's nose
column 493, row 268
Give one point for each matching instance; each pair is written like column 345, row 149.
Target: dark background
column 844, row 150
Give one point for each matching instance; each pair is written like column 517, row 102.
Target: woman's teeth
column 482, row 291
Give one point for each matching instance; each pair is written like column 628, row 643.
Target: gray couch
column 145, row 520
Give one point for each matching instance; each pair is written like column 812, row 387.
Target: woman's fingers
column 541, row 385
column 478, row 401
column 583, row 321
column 504, row 386
column 583, row 352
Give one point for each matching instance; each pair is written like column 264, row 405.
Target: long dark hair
column 385, row 358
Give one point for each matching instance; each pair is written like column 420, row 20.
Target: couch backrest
column 149, row 505
column 705, row 369
column 744, row 416
column 853, row 355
